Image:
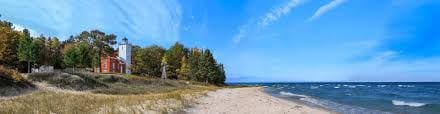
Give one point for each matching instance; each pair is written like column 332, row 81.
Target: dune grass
column 126, row 94
column 62, row 102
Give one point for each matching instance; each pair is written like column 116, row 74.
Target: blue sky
column 264, row 40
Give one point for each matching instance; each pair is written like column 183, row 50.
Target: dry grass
column 12, row 83
column 65, row 102
column 130, row 94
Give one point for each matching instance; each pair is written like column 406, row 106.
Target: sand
column 250, row 100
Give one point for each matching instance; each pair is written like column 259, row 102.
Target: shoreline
column 249, row 100
column 297, row 101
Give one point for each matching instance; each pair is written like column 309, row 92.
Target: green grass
column 117, row 94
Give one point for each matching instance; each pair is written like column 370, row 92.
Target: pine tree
column 220, row 76
column 209, row 65
column 193, row 63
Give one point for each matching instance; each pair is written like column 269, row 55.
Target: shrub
column 12, row 83
column 11, row 74
column 66, row 81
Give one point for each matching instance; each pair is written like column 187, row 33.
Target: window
column 114, row 66
column 105, row 65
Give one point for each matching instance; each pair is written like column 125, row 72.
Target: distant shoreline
column 250, row 100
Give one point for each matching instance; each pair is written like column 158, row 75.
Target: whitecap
column 351, row 86
column 404, row 103
column 406, row 86
column 381, row 86
column 314, row 87
column 292, row 94
column 336, row 87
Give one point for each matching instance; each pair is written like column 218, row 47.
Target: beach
column 249, row 100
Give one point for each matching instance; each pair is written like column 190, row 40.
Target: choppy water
column 362, row 97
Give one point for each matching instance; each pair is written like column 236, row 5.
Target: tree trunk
column 29, row 67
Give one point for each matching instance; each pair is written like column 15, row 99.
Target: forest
column 20, row 51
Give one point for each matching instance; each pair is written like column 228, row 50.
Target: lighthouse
column 124, row 54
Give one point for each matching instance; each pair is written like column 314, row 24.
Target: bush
column 67, row 81
column 12, row 83
column 11, row 74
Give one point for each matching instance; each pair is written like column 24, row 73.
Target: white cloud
column 21, row 28
column 267, row 19
column 325, row 8
column 276, row 13
column 146, row 20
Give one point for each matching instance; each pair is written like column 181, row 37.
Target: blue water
column 362, row 97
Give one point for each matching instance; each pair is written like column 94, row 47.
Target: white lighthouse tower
column 125, row 54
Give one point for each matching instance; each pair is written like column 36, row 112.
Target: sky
column 263, row 40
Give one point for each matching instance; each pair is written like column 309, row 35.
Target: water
column 362, row 97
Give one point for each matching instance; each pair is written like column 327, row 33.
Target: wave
column 404, row 103
column 314, row 87
column 292, row 94
column 406, row 86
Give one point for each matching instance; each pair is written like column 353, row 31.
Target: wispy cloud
column 144, row 20
column 278, row 12
column 325, row 8
column 267, row 19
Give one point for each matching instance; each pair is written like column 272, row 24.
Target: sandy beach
column 251, row 100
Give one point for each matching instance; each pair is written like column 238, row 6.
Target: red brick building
column 112, row 64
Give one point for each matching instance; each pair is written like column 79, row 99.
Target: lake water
column 362, row 97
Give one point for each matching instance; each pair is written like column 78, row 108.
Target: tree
column 8, row 44
column 184, row 69
column 40, row 48
column 56, row 57
column 83, row 53
column 193, row 63
column 220, row 76
column 147, row 61
column 70, row 56
column 207, row 67
column 174, row 56
column 102, row 43
column 25, row 49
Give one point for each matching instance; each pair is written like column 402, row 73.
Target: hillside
column 61, row 92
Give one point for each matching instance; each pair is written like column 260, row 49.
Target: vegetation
column 85, row 50
column 78, row 103
column 147, row 61
column 8, row 44
column 181, row 63
column 192, row 73
column 12, row 83
column 104, row 93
